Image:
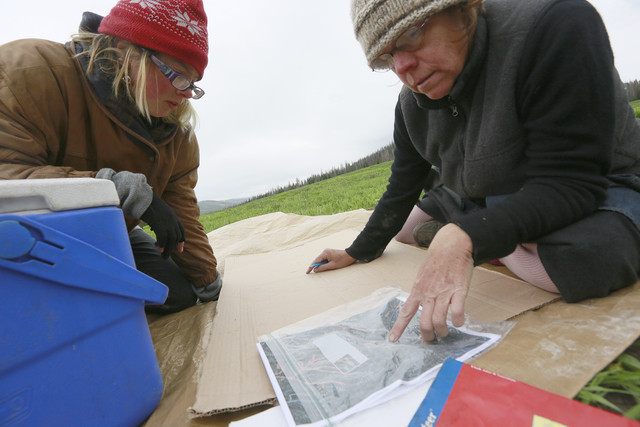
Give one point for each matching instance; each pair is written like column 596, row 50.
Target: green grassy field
column 636, row 106
column 616, row 388
column 353, row 190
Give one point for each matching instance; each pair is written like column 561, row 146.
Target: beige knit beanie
column 377, row 23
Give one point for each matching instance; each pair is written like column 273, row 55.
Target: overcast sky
column 288, row 92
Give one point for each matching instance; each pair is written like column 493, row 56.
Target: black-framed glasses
column 409, row 41
column 178, row 81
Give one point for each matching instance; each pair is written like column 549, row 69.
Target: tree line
column 382, row 155
column 633, row 90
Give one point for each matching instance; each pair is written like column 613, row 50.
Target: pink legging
column 524, row 262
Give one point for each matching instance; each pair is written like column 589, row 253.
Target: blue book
column 432, row 405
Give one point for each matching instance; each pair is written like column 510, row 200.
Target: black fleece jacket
column 534, row 114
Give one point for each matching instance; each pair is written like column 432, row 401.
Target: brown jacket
column 52, row 125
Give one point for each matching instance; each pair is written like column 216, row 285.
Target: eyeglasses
column 178, row 81
column 409, row 41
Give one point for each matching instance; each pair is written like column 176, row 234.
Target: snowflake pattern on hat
column 159, row 11
column 175, row 27
column 183, row 20
column 146, row 3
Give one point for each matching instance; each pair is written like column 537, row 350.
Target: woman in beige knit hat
column 514, row 121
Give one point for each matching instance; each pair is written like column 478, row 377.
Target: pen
column 318, row 264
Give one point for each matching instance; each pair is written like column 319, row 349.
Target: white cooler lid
column 34, row 196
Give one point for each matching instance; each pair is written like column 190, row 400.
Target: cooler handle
column 34, row 249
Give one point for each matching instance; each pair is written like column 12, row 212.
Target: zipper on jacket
column 454, row 107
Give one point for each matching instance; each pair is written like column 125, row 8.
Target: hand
column 443, row 281
column 210, row 292
column 336, row 259
column 164, row 222
column 133, row 191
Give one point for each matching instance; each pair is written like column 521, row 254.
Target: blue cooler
column 75, row 347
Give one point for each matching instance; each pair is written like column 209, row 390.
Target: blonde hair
column 102, row 53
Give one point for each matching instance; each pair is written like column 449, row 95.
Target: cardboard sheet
column 265, row 292
column 207, row 366
column 560, row 347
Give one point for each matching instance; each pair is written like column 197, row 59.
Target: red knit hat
column 175, row 27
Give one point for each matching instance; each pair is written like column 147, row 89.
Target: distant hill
column 208, row 206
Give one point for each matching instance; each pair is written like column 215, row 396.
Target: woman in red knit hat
column 114, row 103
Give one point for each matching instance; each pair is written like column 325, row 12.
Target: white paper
column 343, row 355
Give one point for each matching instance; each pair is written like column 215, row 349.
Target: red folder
column 463, row 395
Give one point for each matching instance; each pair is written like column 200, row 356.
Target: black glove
column 164, row 222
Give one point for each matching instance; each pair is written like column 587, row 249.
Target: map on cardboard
column 324, row 374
